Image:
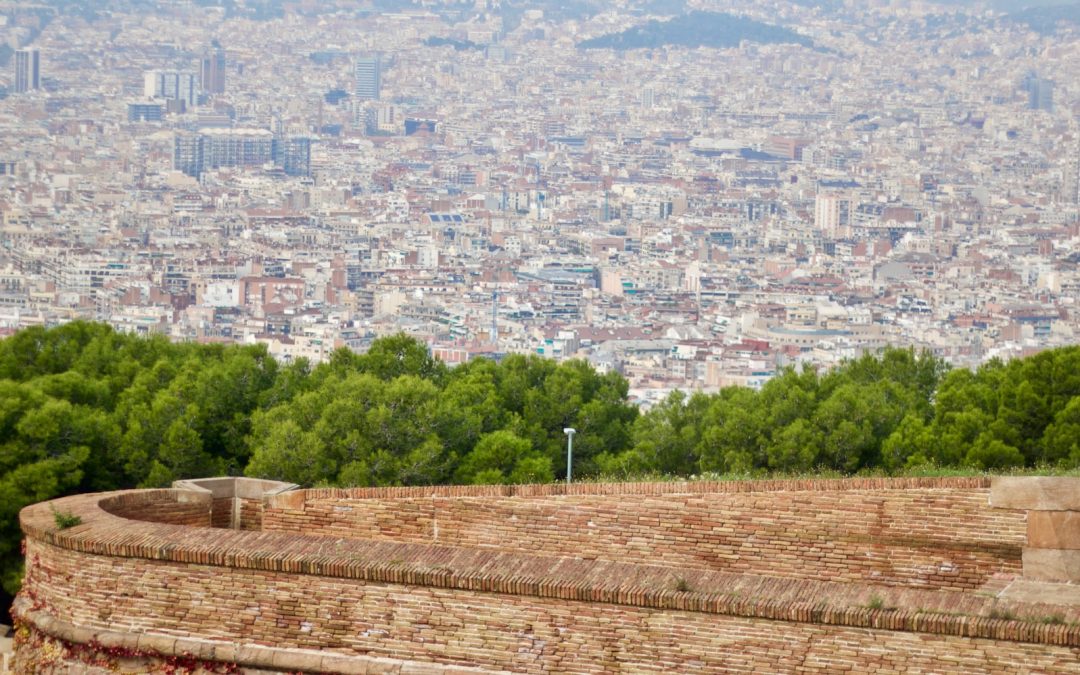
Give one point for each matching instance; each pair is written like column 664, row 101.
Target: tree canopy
column 83, row 408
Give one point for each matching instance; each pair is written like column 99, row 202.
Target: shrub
column 1002, row 613
column 65, row 519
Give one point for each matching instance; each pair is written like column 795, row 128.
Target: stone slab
column 1048, row 564
column 293, row 500
column 1053, row 529
column 1035, row 493
column 1041, row 592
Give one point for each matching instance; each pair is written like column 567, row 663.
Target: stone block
column 184, row 496
column 290, row 501
column 157, row 644
column 1047, row 564
column 1053, row 529
column 255, row 655
column 296, row 660
column 226, row 652
column 204, row 650
column 344, row 665
column 1035, row 493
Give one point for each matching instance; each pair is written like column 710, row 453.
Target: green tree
column 288, row 453
column 668, row 437
column 735, row 432
column 397, row 355
column 797, row 447
column 500, row 455
column 989, row 453
column 1061, row 439
column 911, row 444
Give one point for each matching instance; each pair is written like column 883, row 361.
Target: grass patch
column 876, row 602
column 921, row 471
column 65, row 519
column 1002, row 613
column 682, row 585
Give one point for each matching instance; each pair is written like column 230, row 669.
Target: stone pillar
column 1052, row 550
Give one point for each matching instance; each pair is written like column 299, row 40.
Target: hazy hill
column 697, row 29
column 1047, row 19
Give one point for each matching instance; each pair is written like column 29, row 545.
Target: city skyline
column 689, row 216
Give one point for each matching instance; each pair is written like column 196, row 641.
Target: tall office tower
column 648, row 97
column 1040, row 93
column 171, row 85
column 368, row 80
column 27, row 70
column 212, row 71
column 188, row 153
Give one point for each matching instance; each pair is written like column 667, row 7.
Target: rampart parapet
column 766, row 576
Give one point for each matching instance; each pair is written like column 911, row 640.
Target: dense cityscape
column 311, row 175
column 539, row 336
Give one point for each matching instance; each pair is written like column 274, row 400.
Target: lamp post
column 569, row 431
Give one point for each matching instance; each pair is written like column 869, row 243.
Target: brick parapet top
column 650, row 489
column 564, row 578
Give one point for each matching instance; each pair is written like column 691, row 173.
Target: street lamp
column 569, row 431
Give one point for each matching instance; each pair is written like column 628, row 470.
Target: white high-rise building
column 172, row 85
column 832, row 213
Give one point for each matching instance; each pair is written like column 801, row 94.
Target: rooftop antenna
column 539, row 195
column 1076, row 172
column 495, row 318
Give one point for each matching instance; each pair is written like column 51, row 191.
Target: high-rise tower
column 212, row 71
column 1040, row 92
column 368, row 78
column 27, row 70
column 171, row 85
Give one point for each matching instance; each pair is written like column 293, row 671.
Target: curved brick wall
column 410, row 580
column 160, row 506
column 922, row 532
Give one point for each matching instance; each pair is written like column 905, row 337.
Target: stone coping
column 219, row 651
column 593, row 581
column 1035, row 493
column 288, row 499
column 235, row 487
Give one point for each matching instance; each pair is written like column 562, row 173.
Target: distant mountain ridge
column 697, row 29
column 1047, row 19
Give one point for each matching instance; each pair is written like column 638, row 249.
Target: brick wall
column 523, row 634
column 160, row 506
column 251, row 511
column 768, row 576
column 222, row 512
column 933, row 535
